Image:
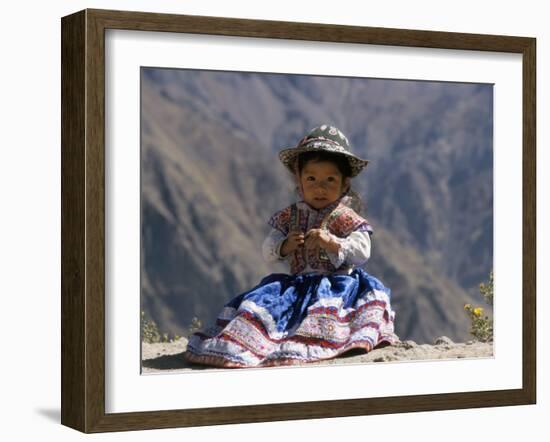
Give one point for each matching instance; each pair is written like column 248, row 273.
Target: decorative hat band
column 335, row 145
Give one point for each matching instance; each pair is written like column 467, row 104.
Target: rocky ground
column 167, row 357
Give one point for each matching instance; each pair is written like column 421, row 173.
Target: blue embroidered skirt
column 295, row 319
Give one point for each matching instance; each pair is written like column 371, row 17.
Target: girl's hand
column 292, row 242
column 321, row 238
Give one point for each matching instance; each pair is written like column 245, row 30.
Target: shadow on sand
column 171, row 362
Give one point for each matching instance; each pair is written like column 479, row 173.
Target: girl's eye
column 331, row 179
column 310, row 178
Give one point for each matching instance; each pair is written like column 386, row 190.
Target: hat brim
column 289, row 155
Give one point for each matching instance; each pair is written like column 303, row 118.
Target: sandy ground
column 167, row 357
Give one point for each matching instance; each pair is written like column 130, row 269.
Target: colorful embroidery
column 340, row 221
column 281, row 220
column 324, row 333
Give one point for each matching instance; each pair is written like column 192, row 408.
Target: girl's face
column 322, row 183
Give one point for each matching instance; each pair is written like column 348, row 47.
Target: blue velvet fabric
column 287, row 297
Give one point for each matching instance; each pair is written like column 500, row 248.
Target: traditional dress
column 326, row 306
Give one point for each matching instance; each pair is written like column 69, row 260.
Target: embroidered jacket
column 347, row 227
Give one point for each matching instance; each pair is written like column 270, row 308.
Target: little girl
column 327, row 305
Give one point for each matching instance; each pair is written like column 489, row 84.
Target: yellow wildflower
column 478, row 311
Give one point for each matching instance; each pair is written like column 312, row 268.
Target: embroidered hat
column 324, row 138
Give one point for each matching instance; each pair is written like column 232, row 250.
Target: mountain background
column 211, row 179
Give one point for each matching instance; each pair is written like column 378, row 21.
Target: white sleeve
column 271, row 246
column 354, row 250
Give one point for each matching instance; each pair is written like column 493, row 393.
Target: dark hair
column 339, row 160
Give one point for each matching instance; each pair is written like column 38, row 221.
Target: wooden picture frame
column 83, row 220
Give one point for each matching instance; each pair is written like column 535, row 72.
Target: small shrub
column 149, row 330
column 481, row 325
column 195, row 326
column 151, row 334
column 487, row 289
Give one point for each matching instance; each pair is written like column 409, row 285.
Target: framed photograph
column 228, row 256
